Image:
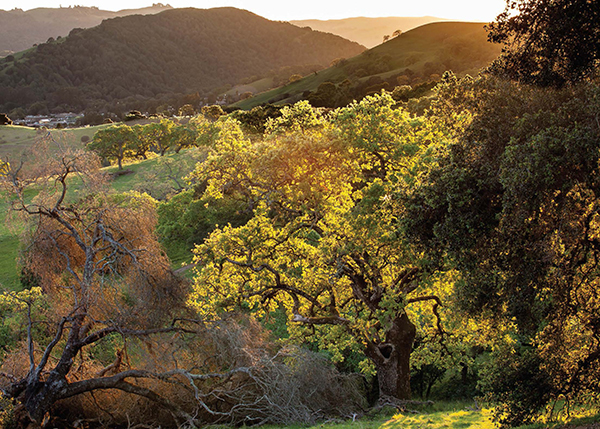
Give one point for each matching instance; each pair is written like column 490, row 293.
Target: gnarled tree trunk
column 392, row 358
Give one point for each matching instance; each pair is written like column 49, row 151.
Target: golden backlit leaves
column 323, row 190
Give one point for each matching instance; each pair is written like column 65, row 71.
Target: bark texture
column 392, row 358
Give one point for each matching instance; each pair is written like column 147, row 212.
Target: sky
column 464, row 10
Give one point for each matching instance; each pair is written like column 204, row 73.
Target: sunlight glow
column 464, row 10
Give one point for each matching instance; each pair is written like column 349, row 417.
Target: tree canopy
column 324, row 244
column 548, row 42
column 514, row 203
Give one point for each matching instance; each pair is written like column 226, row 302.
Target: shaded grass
column 9, row 247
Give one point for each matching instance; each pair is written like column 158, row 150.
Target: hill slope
column 175, row 51
column 367, row 31
column 20, row 29
column 410, row 58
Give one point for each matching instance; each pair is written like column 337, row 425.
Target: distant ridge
column 416, row 57
column 19, row 30
column 366, row 31
column 142, row 57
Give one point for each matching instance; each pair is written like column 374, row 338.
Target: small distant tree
column 386, row 38
column 142, row 143
column 397, row 33
column 182, row 136
column 403, row 80
column 187, row 110
column 212, row 112
column 246, row 95
column 337, row 62
column 17, row 113
column 134, row 115
column 401, row 93
column 114, row 143
column 159, row 134
column 294, row 78
column 4, row 119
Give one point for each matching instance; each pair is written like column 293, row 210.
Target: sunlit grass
column 439, row 415
column 448, row 415
column 562, row 415
column 442, row 419
column 15, row 139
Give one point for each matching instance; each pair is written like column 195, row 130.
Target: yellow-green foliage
column 324, row 195
column 6, row 412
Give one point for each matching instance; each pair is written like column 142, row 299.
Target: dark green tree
column 114, row 143
column 515, row 203
column 548, row 42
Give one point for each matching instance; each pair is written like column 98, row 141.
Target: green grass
column 15, row 139
column 253, row 87
column 437, row 416
column 9, row 247
column 451, row 415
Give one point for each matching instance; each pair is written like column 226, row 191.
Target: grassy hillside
column 366, row 31
column 15, row 139
column 417, row 54
column 20, row 29
column 141, row 57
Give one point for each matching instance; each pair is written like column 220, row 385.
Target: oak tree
column 324, row 243
column 548, row 42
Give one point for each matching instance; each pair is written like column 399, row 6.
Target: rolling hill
column 414, row 57
column 178, row 51
column 19, row 30
column 366, row 31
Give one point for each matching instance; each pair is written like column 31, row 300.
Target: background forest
column 298, row 264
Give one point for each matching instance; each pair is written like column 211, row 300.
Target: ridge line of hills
column 158, row 63
column 20, row 30
column 417, row 58
column 126, row 61
column 366, row 30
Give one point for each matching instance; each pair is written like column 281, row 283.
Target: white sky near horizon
column 464, row 10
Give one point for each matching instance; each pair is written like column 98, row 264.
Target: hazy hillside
column 367, row 31
column 417, row 56
column 20, row 29
column 177, row 51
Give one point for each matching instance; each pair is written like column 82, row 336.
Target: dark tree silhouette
column 549, row 42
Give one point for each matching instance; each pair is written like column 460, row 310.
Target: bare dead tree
column 104, row 276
